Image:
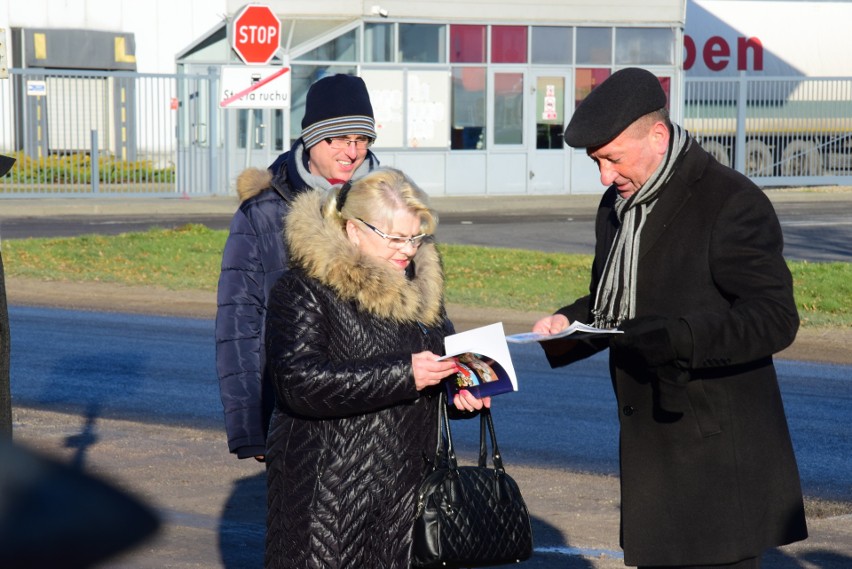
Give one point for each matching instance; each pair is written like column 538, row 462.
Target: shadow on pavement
column 816, row 559
column 242, row 526
column 550, row 538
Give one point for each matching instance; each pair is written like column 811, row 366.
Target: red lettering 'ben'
column 716, row 53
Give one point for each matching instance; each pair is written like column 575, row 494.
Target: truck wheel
column 758, row 158
column 718, row 151
column 801, row 158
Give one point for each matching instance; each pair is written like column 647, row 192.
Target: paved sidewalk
column 225, row 205
column 213, row 505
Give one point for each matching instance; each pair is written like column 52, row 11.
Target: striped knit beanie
column 338, row 105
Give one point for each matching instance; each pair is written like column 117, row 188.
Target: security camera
column 379, row 11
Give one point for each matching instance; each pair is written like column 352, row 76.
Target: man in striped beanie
column 338, row 105
column 337, row 132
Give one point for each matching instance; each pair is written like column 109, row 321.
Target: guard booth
column 469, row 98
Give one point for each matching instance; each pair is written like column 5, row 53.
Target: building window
column 644, row 46
column 549, row 112
column 552, row 45
column 428, row 109
column 508, row 108
column 585, row 80
column 467, row 44
column 666, row 84
column 508, row 44
column 342, row 48
column 422, row 43
column 378, row 43
column 468, row 109
column 594, row 46
column 278, row 129
column 248, row 127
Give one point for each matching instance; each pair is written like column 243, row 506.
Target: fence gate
column 779, row 131
column 92, row 133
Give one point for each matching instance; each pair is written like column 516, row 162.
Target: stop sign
column 256, row 34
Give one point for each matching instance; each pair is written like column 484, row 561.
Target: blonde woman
column 354, row 332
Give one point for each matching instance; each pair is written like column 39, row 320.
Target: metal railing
column 77, row 133
column 779, row 131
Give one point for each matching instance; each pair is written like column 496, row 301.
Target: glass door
column 257, row 137
column 548, row 156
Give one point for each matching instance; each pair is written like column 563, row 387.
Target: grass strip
column 188, row 258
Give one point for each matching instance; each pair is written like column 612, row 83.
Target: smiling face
column 333, row 163
column 404, row 223
column 628, row 160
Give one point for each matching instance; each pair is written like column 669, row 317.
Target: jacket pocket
column 702, row 408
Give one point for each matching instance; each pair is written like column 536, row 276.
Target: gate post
column 212, row 137
column 740, row 144
column 95, row 163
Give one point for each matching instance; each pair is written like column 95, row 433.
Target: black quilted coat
column 349, row 434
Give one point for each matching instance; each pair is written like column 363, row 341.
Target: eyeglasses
column 397, row 241
column 341, row 142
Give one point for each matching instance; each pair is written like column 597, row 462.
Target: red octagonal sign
column 256, row 34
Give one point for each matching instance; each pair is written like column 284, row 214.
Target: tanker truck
column 781, row 72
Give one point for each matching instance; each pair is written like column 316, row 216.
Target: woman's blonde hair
column 377, row 196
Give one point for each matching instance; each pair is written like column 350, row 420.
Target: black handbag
column 469, row 516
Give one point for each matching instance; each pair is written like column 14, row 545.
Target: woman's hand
column 551, row 324
column 428, row 370
column 465, row 401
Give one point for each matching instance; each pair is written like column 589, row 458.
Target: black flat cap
column 614, row 105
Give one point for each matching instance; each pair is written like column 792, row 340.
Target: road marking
column 814, row 223
column 581, row 552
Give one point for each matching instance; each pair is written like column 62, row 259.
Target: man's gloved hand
column 654, row 340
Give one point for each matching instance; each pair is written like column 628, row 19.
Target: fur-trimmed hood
column 252, row 181
column 324, row 252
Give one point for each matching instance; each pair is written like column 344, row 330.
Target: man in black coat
column 689, row 265
column 6, row 164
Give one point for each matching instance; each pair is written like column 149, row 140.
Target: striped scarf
column 615, row 300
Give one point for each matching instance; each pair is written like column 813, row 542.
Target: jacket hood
column 325, row 253
column 252, row 181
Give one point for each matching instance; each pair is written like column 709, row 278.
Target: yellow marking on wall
column 40, row 45
column 121, row 55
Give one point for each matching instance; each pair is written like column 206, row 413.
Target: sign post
column 256, row 34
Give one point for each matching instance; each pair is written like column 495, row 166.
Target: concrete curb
column 556, row 204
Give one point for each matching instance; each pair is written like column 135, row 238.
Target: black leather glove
column 655, row 340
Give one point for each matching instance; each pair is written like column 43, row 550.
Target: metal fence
column 120, row 133
column 778, row 131
column 102, row 133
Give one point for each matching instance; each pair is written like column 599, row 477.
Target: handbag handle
column 445, row 446
column 444, row 449
column 485, row 421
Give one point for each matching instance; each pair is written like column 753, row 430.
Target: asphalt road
column 142, row 409
column 819, row 230
column 133, row 397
